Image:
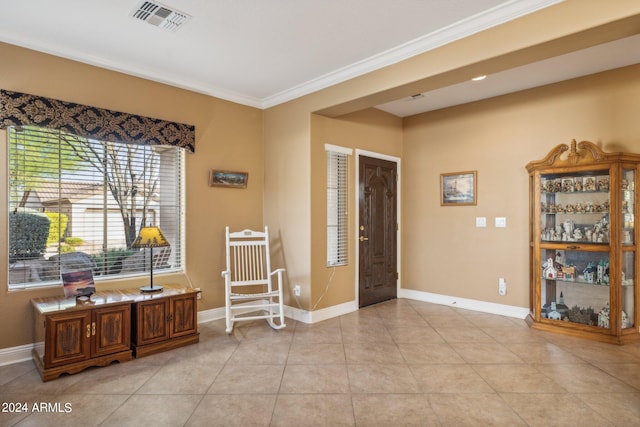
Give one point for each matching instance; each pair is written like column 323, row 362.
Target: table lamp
column 150, row 237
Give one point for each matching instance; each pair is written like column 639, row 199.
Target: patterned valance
column 91, row 122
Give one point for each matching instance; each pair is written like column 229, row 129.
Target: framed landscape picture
column 219, row 178
column 459, row 189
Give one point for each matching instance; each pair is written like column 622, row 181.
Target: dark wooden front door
column 378, row 273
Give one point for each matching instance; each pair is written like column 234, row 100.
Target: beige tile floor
column 397, row 363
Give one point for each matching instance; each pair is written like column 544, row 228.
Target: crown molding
column 489, row 18
column 492, row 17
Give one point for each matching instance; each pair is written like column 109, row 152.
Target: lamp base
column 155, row 288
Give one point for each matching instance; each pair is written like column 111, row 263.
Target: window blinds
column 77, row 203
column 337, row 207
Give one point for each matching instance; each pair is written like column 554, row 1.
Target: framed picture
column 459, row 189
column 219, row 178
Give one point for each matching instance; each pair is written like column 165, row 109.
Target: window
column 337, row 205
column 77, row 203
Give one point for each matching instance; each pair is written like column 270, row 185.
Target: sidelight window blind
column 337, row 205
column 77, row 203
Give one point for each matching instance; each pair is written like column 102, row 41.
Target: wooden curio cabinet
column 584, row 243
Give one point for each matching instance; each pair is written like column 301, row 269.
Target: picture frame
column 78, row 283
column 230, row 179
column 459, row 188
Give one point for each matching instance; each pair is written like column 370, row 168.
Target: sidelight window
column 337, row 205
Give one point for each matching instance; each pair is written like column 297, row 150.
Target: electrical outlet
column 502, row 286
column 199, row 293
column 296, row 290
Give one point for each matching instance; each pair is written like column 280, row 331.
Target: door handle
column 362, row 238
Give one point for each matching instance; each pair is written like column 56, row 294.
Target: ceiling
column 265, row 52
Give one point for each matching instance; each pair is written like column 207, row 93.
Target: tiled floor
column 398, row 363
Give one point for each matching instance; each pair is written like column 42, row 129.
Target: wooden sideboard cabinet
column 164, row 321
column 72, row 335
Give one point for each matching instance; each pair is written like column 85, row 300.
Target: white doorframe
column 356, row 235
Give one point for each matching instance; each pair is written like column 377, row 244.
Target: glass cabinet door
column 575, row 286
column 628, row 289
column 628, row 256
column 575, row 211
column 575, row 208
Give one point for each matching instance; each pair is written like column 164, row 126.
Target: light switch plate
column 481, row 221
column 501, row 222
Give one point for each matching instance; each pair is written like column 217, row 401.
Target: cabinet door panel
column 111, row 326
column 183, row 315
column 152, row 321
column 68, row 338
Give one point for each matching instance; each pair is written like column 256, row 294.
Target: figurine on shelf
column 549, row 271
column 603, row 183
column 578, row 185
column 600, row 273
column 589, row 272
column 589, row 207
column 549, row 186
column 577, row 234
column 557, row 185
column 603, row 317
column 568, row 185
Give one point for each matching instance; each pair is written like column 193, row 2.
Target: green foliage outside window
column 29, row 235
column 58, row 227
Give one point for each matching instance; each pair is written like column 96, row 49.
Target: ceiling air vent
column 161, row 16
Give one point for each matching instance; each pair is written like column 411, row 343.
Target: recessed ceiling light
column 478, row 78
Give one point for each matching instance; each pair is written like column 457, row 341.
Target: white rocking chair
column 248, row 280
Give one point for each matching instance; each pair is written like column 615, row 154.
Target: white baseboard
column 468, row 304
column 290, row 312
column 21, row 353
column 205, row 316
column 17, row 354
column 322, row 314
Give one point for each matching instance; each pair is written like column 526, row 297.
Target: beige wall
column 443, row 251
column 371, row 130
column 228, row 136
column 292, row 145
column 279, row 148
